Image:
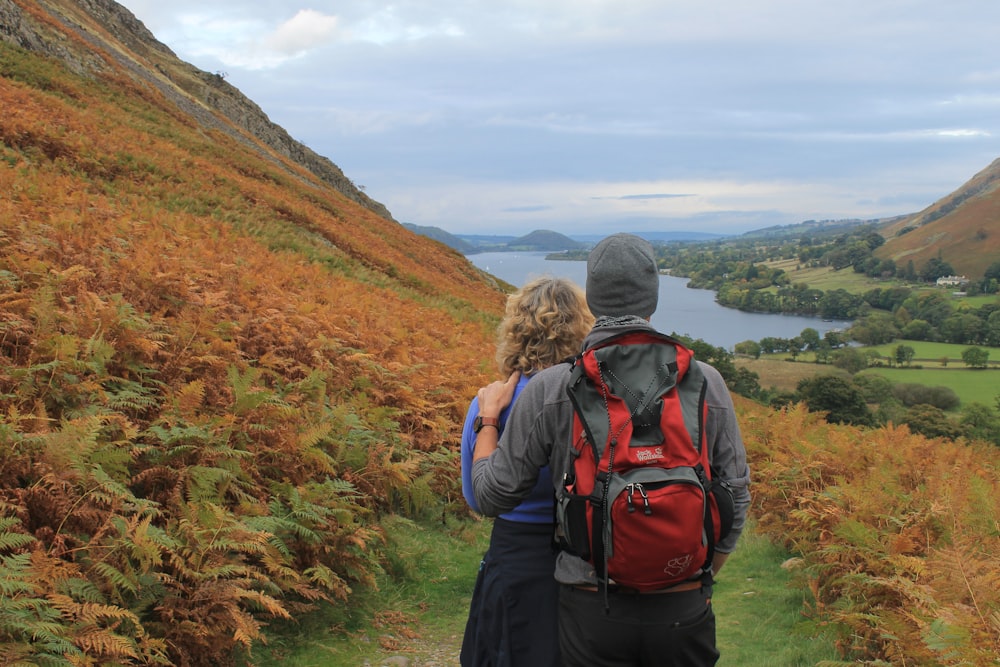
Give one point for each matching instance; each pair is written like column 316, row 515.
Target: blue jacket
column 537, row 507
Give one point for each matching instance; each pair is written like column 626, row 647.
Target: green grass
column 430, row 574
column 979, row 301
column 422, row 601
column 827, row 279
column 924, row 352
column 759, row 619
column 970, row 384
column 981, row 386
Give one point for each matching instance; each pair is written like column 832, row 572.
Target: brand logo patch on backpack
column 638, row 500
column 648, row 454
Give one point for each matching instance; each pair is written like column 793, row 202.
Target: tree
column 931, row 422
column 823, row 352
column 903, row 354
column 877, row 328
column 962, row 328
column 992, row 271
column 748, row 348
column 980, row 422
column 934, row 269
column 917, row 330
column 874, row 387
column 910, row 394
column 992, row 333
column 933, row 307
column 795, row 346
column 840, row 304
column 842, row 402
column 836, row 339
column 771, row 344
column 976, row 357
column 810, row 337
column 850, row 359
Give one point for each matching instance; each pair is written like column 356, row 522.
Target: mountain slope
column 218, row 369
column 545, row 240
column 76, row 32
column 963, row 228
column 442, row 236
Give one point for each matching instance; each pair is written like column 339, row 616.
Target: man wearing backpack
column 602, row 621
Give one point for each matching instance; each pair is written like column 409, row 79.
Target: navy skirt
column 513, row 614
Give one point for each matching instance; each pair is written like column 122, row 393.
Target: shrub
column 943, row 398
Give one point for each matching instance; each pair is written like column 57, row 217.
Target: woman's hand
column 496, row 396
column 493, row 398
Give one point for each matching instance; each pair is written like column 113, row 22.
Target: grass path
column 417, row 617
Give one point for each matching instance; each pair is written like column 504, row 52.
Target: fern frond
column 10, row 541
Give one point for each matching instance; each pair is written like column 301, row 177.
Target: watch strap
column 480, row 422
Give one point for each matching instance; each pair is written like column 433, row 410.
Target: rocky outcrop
column 90, row 35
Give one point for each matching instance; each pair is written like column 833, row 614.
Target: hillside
column 536, row 241
column 963, row 228
column 545, row 240
column 815, row 228
column 219, row 366
column 442, row 236
column 106, row 28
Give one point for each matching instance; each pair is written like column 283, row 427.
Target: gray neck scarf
column 619, row 321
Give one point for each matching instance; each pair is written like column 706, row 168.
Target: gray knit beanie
column 622, row 278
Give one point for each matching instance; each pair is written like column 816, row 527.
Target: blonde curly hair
column 545, row 322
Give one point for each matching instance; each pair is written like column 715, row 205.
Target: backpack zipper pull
column 631, row 489
column 646, row 509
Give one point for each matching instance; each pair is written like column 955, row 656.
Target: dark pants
column 637, row 630
column 513, row 615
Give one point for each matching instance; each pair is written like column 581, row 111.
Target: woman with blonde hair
column 512, row 618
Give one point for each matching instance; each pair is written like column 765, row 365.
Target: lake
column 690, row 312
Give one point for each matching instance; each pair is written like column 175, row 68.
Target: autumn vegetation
column 898, row 533
column 217, row 373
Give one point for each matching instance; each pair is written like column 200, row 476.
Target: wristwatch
column 479, row 422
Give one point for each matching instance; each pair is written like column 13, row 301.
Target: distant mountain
column 963, row 228
column 663, row 237
column 815, row 228
column 536, row 241
column 544, row 240
column 444, row 237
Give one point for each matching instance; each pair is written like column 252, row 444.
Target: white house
column 952, row 281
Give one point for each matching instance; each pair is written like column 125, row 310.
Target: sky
column 594, row 116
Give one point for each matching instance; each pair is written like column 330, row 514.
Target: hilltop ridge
column 107, row 32
column 962, row 228
column 220, row 367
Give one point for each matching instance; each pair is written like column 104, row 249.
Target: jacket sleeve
column 502, row 480
column 468, row 443
column 727, row 453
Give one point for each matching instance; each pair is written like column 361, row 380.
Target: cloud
column 654, row 196
column 306, row 30
column 566, row 115
column 962, row 132
column 526, row 209
column 248, row 41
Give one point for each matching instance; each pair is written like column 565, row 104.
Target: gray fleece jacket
column 538, row 430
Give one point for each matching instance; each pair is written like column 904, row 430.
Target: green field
column 982, row 386
column 933, row 353
column 826, row 278
column 926, row 368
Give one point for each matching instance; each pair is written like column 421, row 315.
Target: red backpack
column 638, row 501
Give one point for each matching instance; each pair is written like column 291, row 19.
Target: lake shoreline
column 688, row 311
